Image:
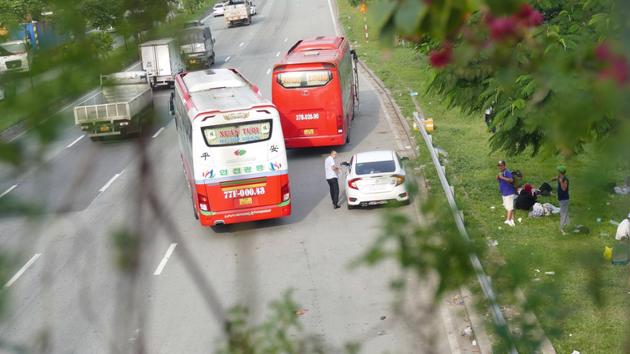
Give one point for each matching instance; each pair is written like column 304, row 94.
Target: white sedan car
column 217, row 9
column 376, row 177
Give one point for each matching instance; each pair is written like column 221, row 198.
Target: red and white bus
column 315, row 88
column 232, row 148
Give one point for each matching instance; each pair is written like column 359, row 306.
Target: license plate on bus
column 245, row 201
column 309, row 131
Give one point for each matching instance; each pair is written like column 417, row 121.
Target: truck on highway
column 161, row 61
column 237, row 11
column 118, row 108
column 14, row 56
column 197, row 46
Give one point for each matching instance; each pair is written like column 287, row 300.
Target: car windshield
column 12, row 48
column 368, row 168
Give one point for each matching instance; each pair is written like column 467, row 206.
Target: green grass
column 586, row 325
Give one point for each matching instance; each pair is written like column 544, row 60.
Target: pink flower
column 528, row 16
column 615, row 65
column 502, row 27
column 603, row 52
column 441, row 57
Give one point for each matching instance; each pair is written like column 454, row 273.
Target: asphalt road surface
column 68, row 295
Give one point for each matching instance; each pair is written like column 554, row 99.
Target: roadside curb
column 455, row 321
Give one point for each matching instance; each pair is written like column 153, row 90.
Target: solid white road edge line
column 8, row 190
column 168, row 254
column 227, row 59
column 332, row 15
column 111, row 180
column 21, row 271
column 75, row 141
column 158, row 133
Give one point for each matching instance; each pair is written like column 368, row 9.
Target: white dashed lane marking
column 22, row 270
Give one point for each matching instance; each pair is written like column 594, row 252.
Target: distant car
column 217, row 9
column 374, row 178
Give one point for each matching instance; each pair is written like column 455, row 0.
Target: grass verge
column 593, row 296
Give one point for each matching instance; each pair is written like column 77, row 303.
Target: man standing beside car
column 331, row 170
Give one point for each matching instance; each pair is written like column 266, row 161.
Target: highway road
column 68, row 295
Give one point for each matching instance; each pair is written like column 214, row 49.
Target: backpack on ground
column 545, row 189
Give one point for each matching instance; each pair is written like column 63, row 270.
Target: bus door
column 309, row 101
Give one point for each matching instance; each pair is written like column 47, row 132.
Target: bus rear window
column 239, row 133
column 300, row 79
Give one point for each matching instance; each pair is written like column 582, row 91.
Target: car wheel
column 350, row 207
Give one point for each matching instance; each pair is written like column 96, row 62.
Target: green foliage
column 127, row 247
column 529, row 78
column 434, row 247
column 281, row 332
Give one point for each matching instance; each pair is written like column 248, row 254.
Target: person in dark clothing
column 526, row 199
column 331, row 170
column 563, row 196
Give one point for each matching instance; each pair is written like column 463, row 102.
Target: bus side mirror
column 171, row 104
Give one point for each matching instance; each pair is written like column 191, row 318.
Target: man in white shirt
column 623, row 230
column 331, row 169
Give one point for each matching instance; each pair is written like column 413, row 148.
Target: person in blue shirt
column 563, row 196
column 508, row 192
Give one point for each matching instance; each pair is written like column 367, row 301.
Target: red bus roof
column 315, row 50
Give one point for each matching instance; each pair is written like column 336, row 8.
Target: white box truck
column 118, row 108
column 161, row 61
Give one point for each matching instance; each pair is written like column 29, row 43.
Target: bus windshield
column 239, row 133
column 301, row 79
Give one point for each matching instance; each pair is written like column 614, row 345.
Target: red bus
column 315, row 88
column 232, row 148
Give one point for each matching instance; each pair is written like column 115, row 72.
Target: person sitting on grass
column 526, row 199
column 623, row 230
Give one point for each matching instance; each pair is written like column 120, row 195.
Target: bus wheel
column 348, row 138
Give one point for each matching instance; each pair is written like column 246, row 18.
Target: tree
column 525, row 61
